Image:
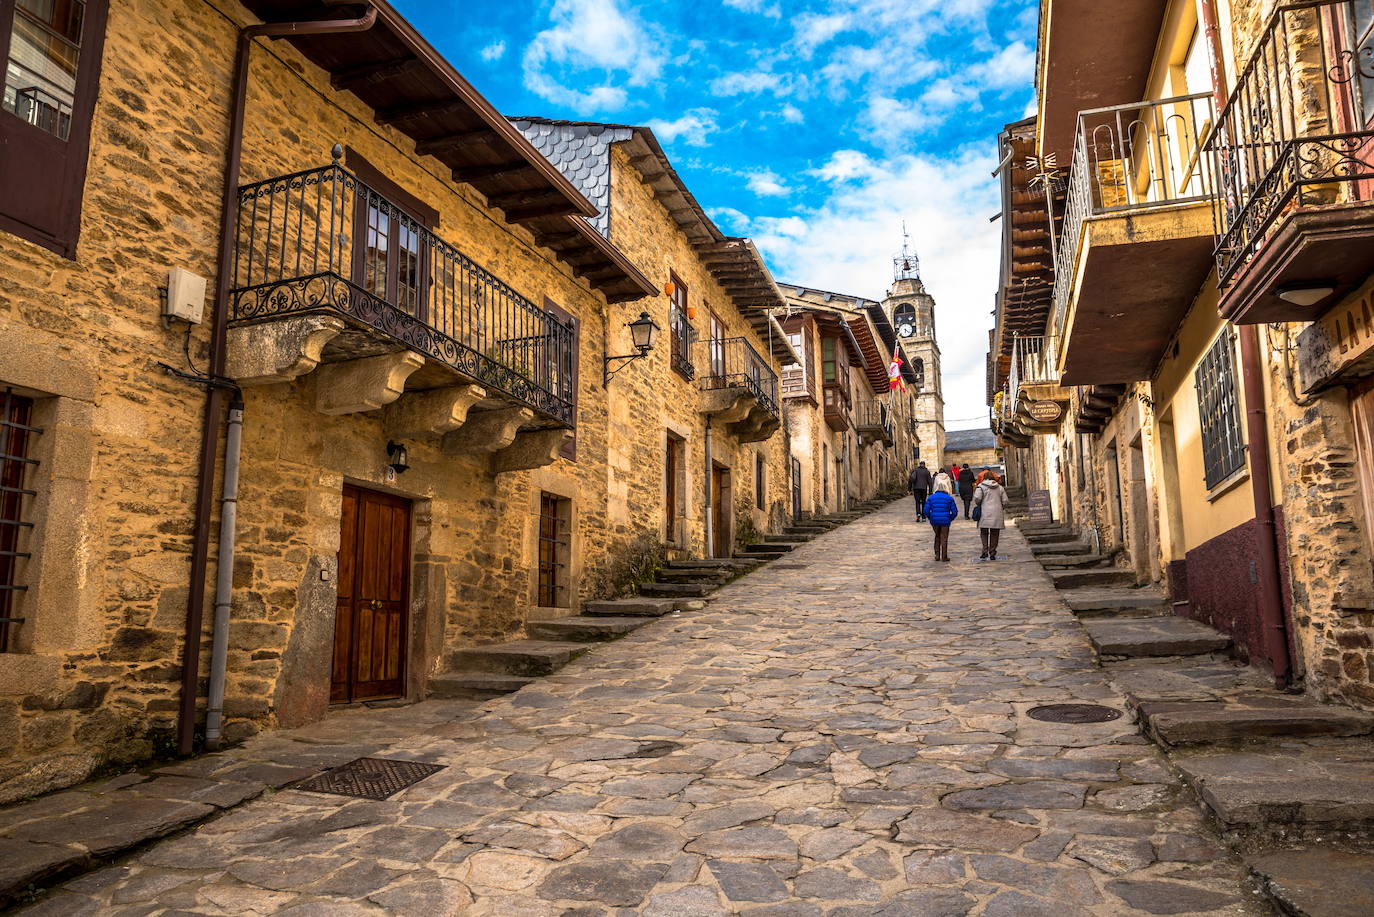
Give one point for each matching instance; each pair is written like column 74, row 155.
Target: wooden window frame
column 680, row 327
column 569, row 448
column 1219, row 412
column 716, row 351
column 31, row 147
column 17, row 432
column 425, row 217
column 553, row 552
column 760, row 482
column 674, row 493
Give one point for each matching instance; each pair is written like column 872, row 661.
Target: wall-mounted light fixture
column 642, row 332
column 1305, row 294
column 397, row 459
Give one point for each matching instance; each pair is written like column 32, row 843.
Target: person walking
column 918, row 484
column 941, row 510
column 990, row 501
column 942, row 482
column 966, row 485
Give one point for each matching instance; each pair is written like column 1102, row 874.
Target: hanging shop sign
column 1045, row 411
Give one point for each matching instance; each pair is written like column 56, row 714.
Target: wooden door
column 720, row 511
column 374, row 579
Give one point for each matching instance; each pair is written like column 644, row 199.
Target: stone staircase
column 1283, row 776
column 680, row 585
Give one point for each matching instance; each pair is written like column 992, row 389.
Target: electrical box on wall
column 185, row 296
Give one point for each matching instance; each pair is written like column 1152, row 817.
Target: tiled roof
column 582, row 153
column 969, row 440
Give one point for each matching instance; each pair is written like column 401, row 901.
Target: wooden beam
column 355, row 78
column 534, row 212
column 473, row 173
column 447, row 142
column 527, row 198
column 398, row 114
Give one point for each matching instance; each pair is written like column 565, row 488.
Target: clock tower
column 912, row 312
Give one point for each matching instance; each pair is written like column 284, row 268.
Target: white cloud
column 590, row 39
column 693, row 128
column 846, row 244
column 494, row 51
column 814, row 30
column 767, row 183
column 747, row 82
column 791, row 114
column 762, row 7
column 729, row 219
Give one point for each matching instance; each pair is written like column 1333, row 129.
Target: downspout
column 224, row 574
column 710, row 513
column 1274, row 627
column 214, row 403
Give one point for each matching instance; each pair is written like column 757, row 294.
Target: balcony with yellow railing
column 1137, row 236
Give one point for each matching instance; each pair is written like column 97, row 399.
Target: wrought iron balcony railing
column 683, row 366
column 734, row 363
column 1128, row 158
column 872, row 414
column 323, row 241
column 1298, row 129
column 1034, row 361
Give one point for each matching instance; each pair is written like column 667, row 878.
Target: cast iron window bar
column 1297, row 128
column 16, row 431
column 1223, row 448
column 1128, row 158
column 319, row 241
column 734, row 363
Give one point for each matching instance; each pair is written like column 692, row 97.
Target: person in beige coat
column 990, row 503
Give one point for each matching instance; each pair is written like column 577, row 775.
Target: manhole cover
column 1074, row 713
column 370, row 778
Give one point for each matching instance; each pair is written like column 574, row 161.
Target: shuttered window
column 1223, row 449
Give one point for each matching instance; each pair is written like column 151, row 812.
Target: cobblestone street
column 843, row 732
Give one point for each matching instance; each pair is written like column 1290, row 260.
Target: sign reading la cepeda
column 1045, row 411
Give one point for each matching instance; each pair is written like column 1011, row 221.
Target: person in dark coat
column 918, row 484
column 941, row 510
column 966, row 485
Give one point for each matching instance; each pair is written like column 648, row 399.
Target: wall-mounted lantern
column 397, row 459
column 642, row 332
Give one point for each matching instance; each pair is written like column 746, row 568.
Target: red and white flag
column 894, row 374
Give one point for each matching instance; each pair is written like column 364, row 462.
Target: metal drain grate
column 1074, row 713
column 370, row 778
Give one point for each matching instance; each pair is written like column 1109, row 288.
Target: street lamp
column 642, row 332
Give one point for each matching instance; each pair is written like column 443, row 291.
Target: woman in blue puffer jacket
column 941, row 510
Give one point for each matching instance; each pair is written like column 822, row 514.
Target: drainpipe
column 710, row 523
column 224, row 574
column 1274, row 628
column 214, row 403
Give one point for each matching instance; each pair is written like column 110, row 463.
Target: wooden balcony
column 836, row 403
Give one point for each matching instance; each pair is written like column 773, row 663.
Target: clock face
column 905, row 329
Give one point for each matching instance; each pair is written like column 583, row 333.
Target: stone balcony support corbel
column 418, row 415
column 487, row 431
column 531, row 449
column 727, row 405
column 279, row 351
column 757, row 426
column 365, row 384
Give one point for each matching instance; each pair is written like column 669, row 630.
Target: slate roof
column 582, row 153
column 969, row 440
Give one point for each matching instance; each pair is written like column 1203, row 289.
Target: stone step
column 1249, row 717
column 806, row 529
column 1165, row 636
column 787, row 539
column 764, row 556
column 585, row 628
column 1048, row 537
column 710, row 563
column 634, row 607
column 676, row 590
column 1317, row 881
column 1318, row 786
column 1117, row 603
column 1065, row 561
column 476, row 685
column 1061, row 547
column 770, row 547
column 518, row 657
column 1104, row 576
column 712, row 576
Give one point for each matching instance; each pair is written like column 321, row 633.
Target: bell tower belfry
column 912, row 312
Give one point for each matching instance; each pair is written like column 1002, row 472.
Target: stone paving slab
column 1301, row 881
column 845, row 740
column 1250, row 717
column 1163, row 636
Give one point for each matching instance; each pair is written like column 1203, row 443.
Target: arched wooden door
column 374, row 581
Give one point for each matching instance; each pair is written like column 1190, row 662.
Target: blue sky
column 814, row 128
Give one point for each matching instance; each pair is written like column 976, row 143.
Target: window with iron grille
column 680, row 329
column 16, row 437
column 554, row 524
column 1223, row 449
column 760, row 499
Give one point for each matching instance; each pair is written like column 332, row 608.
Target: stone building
column 912, row 311
column 314, row 261
column 1182, row 349
column 971, row 447
column 852, row 436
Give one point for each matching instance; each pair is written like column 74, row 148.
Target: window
column 717, row 346
column 829, row 362
column 794, row 376
column 680, row 329
column 51, row 50
column 391, row 229
column 1223, row 450
column 1362, row 30
column 760, row 497
column 563, row 365
column 16, row 434
column 918, row 366
column 825, row 473
column 554, row 525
